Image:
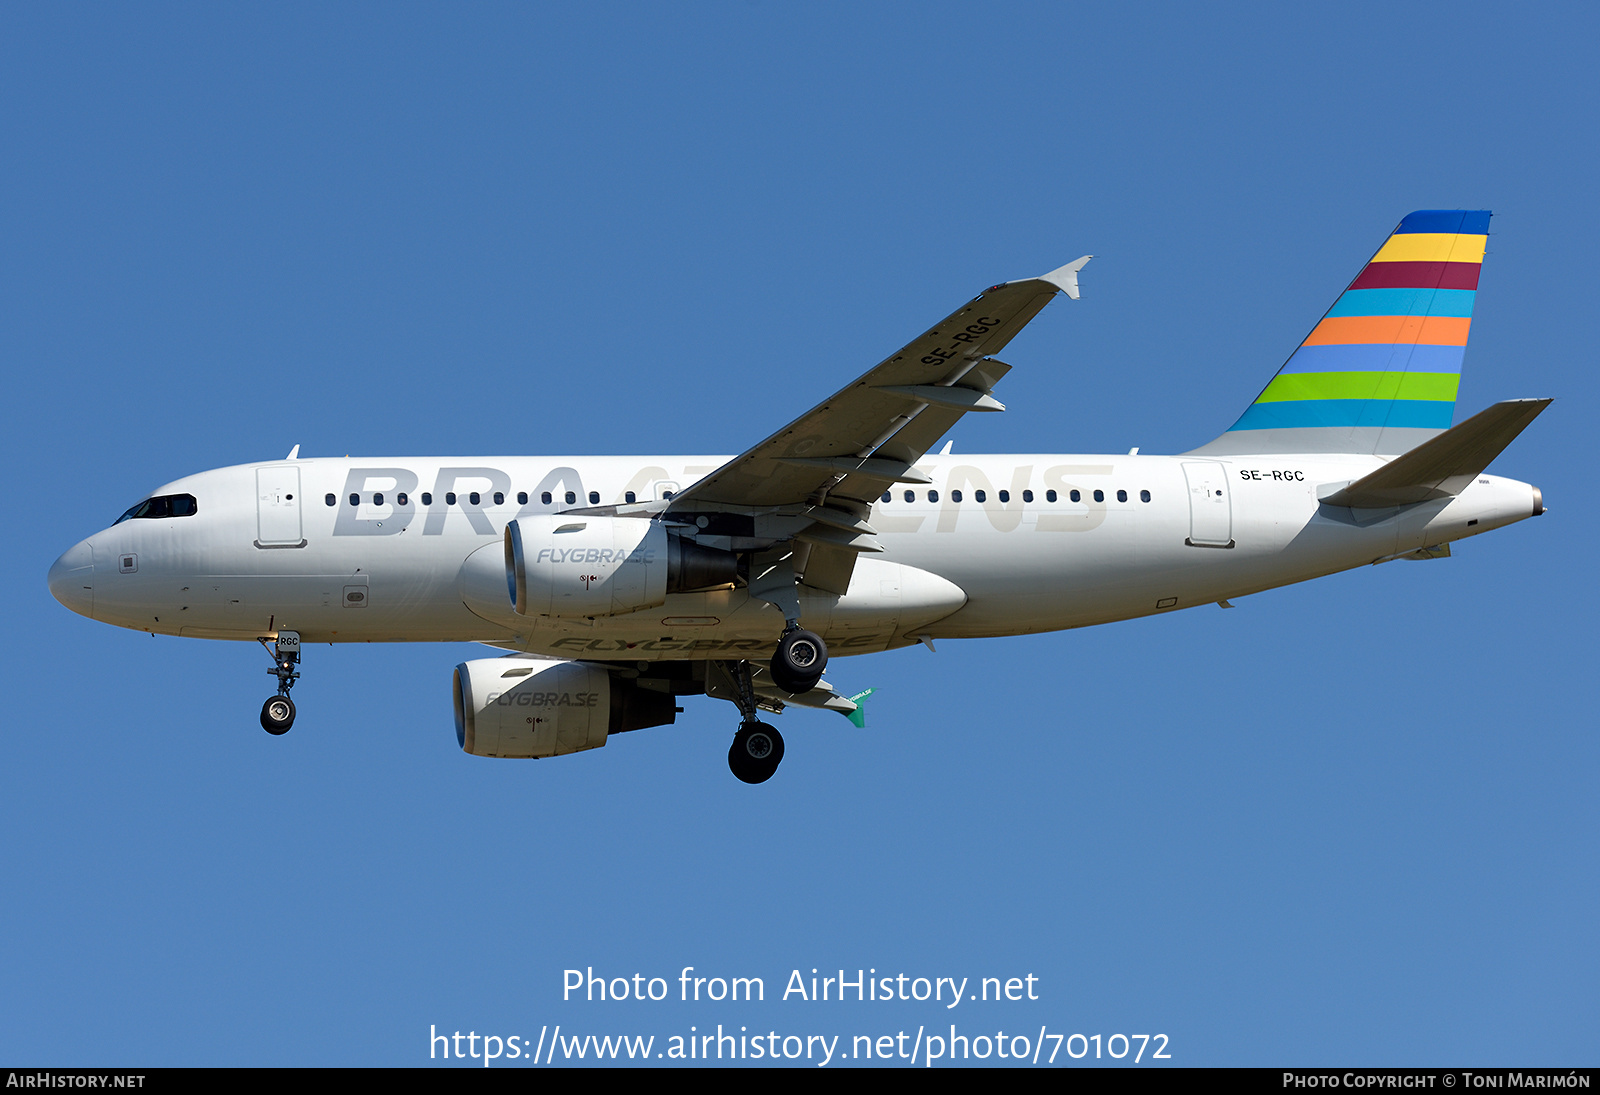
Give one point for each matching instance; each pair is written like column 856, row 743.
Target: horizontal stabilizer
column 1443, row 466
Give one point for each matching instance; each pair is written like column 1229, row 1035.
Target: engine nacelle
column 517, row 707
column 585, row 566
column 577, row 565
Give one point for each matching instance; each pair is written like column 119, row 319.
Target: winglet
column 859, row 715
column 1066, row 278
column 294, row 453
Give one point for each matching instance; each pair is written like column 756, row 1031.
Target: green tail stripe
column 1293, row 386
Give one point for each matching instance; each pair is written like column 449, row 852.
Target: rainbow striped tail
column 1379, row 374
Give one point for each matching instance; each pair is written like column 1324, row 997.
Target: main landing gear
column 756, row 752
column 757, row 748
column 796, row 667
column 277, row 713
column 798, row 662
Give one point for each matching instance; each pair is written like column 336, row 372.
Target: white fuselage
column 266, row 550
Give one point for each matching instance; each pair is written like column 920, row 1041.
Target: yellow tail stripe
column 1432, row 247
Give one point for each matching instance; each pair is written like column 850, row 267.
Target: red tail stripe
column 1418, row 275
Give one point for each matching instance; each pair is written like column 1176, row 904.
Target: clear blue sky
column 1348, row 822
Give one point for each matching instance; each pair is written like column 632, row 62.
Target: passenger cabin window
column 355, row 499
column 475, row 498
column 1075, row 496
column 544, row 498
column 911, row 496
column 499, row 498
column 1049, row 496
column 594, row 498
column 888, row 496
column 1144, row 496
column 571, row 497
column 1099, row 495
column 449, row 497
column 522, row 497
column 333, row 500
column 1122, row 496
column 166, row 505
column 1027, row 496
column 980, row 496
column 401, row 499
column 377, row 499
column 427, row 498
column 955, row 496
column 933, row 496
column 631, row 497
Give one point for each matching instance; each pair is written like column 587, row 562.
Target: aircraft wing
column 866, row 437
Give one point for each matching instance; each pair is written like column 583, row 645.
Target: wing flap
column 917, row 437
column 829, row 567
column 955, row 397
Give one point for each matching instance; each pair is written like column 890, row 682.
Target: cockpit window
column 167, row 505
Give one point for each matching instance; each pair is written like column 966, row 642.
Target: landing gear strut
column 757, row 748
column 277, row 713
column 797, row 664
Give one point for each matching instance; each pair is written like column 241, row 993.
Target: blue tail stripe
column 1376, row 357
column 1405, row 302
column 1472, row 222
column 1373, row 376
column 1299, row 414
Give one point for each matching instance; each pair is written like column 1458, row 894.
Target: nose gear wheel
column 277, row 715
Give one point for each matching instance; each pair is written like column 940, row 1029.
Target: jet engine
column 578, row 565
column 521, row 707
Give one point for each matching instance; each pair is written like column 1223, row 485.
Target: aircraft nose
column 72, row 579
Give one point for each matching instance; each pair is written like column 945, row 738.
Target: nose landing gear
column 277, row 713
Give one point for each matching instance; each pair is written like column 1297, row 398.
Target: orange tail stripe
column 1411, row 330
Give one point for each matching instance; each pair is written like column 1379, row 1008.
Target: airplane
column 620, row 584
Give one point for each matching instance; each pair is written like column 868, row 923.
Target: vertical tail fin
column 1379, row 374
